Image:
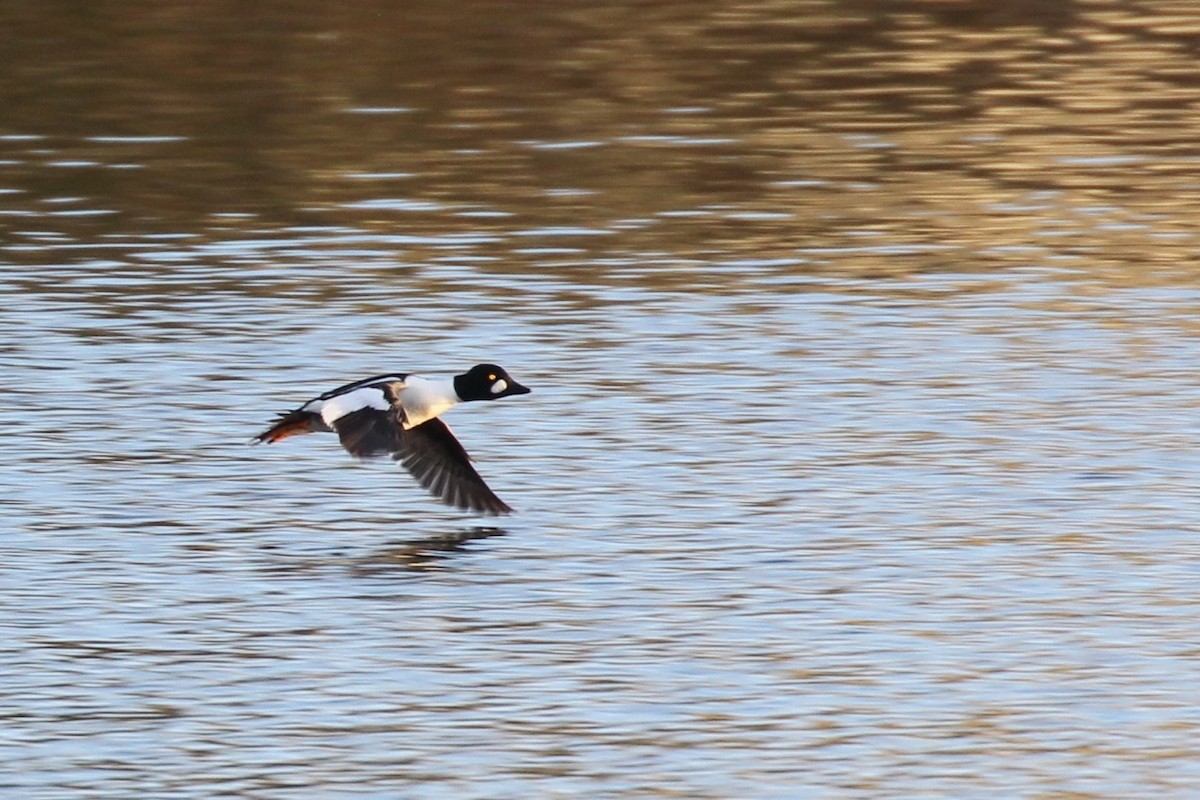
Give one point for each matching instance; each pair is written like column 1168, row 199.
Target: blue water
column 928, row 535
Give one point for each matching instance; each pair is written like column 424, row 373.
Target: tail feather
column 292, row 423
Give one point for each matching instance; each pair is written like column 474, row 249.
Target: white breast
column 424, row 399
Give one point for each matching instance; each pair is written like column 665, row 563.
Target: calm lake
column 862, row 453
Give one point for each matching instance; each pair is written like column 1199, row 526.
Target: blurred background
column 861, row 456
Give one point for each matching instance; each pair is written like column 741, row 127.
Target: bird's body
column 398, row 415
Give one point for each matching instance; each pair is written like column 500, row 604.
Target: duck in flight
column 398, row 415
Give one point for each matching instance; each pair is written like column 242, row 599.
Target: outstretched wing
column 434, row 457
column 369, row 431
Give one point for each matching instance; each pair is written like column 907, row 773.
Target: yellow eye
column 491, row 377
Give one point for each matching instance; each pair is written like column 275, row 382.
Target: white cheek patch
column 499, row 386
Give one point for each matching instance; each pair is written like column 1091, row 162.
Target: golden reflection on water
column 859, row 138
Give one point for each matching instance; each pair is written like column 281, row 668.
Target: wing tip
column 490, row 506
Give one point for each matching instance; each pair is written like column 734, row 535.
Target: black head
column 486, row 382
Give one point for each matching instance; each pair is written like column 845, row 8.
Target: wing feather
column 369, row 432
column 435, row 458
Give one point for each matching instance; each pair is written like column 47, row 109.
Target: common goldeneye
column 397, row 415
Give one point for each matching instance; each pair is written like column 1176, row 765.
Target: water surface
column 861, row 453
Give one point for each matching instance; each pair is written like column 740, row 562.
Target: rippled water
column 861, row 455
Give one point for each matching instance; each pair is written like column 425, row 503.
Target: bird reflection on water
column 423, row 554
